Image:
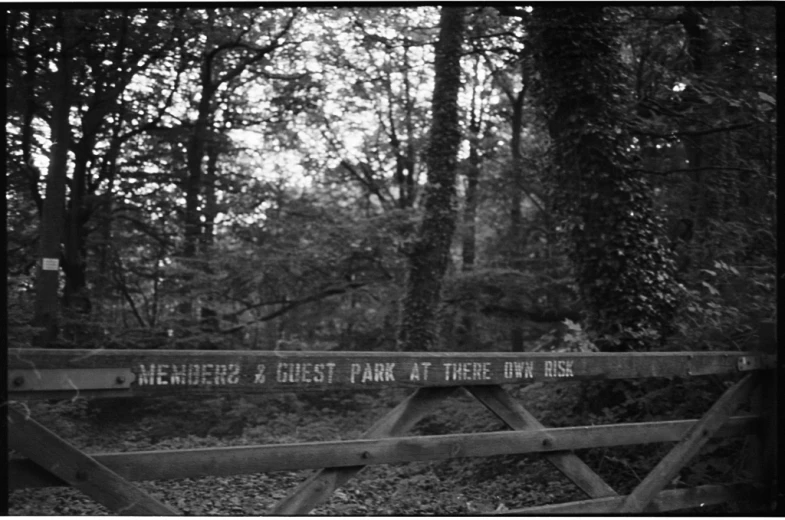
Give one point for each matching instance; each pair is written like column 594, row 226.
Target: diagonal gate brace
column 688, row 447
column 78, row 469
column 509, row 410
column 318, row 488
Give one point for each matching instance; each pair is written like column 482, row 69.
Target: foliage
column 623, row 269
column 613, row 188
column 311, row 183
column 703, row 118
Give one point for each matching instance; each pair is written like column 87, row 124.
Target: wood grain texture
column 78, row 469
column 319, row 486
column 762, row 462
column 518, row 418
column 688, row 447
column 24, row 473
column 352, row 455
column 664, row 501
column 179, row 371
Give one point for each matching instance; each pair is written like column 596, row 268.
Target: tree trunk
column 469, row 250
column 430, row 252
column 469, row 244
column 516, row 181
column 103, row 287
column 107, row 92
column 193, row 183
column 411, row 154
column 465, row 330
column 196, row 146
column 30, row 108
column 516, row 178
column 46, row 305
column 210, row 198
column 623, row 270
column 74, row 294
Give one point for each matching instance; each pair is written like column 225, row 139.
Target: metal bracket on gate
column 70, row 379
column 746, row 363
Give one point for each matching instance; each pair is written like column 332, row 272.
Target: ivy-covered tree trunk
column 623, row 270
column 430, row 251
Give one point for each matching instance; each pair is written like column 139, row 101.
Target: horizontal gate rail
column 319, row 486
column 107, row 477
column 664, row 501
column 514, row 415
column 54, row 373
column 194, row 463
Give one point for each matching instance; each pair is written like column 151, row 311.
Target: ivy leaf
column 767, row 98
column 711, row 288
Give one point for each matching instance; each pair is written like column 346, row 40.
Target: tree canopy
column 373, row 178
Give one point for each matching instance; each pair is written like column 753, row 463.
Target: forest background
column 260, row 178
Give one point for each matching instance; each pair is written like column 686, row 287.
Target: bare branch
column 365, row 179
column 119, row 280
column 145, row 228
column 691, row 133
column 259, row 53
column 330, row 291
column 690, row 170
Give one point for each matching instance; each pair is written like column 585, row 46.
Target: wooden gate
column 51, row 461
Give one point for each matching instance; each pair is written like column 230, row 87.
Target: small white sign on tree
column 51, row 264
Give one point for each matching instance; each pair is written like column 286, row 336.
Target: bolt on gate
column 49, row 460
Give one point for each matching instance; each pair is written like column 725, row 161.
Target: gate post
column 765, row 403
